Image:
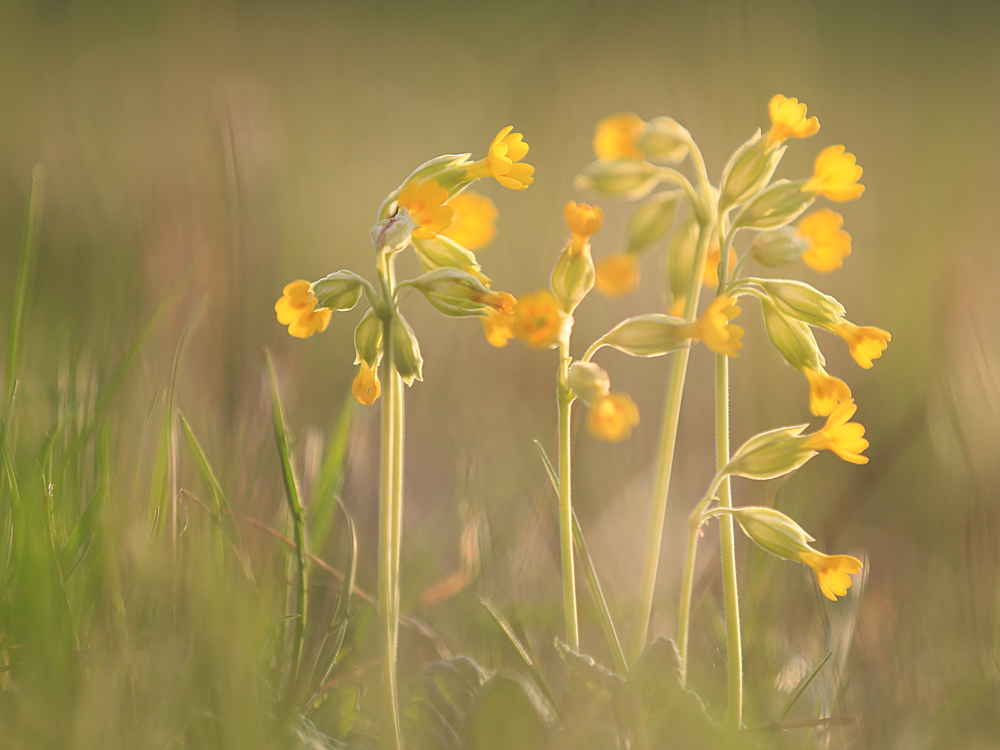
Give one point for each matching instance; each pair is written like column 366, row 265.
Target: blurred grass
column 242, row 145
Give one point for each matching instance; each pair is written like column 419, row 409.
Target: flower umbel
column 715, row 329
column 617, row 137
column 539, row 320
column 835, row 175
column 612, row 417
column 825, row 390
column 617, row 274
column 296, row 309
column 503, row 161
column 366, row 387
column 788, row 120
column 839, row 435
column 828, row 243
column 425, row 202
column 473, row 223
column 832, row 571
column 866, row 342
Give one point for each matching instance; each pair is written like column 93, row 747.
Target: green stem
column 684, row 611
column 668, row 441
column 734, row 650
column 565, row 398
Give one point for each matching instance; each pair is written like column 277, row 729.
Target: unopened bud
column 338, row 291
column 405, row 350
column 651, row 221
column 459, row 294
column 750, row 168
column 792, row 338
column 776, row 206
column 778, row 247
column 774, row 532
column 665, row 141
column 770, row 454
column 649, row 335
column 588, row 381
column 368, row 340
column 392, row 235
column 803, row 302
column 573, row 277
column 623, row 178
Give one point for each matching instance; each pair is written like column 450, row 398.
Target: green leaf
column 438, row 703
column 508, row 714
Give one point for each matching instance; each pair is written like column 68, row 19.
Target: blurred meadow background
column 198, row 157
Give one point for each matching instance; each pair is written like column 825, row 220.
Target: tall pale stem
column 565, row 398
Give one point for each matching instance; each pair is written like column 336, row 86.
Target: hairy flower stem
column 565, row 398
column 668, row 441
column 687, row 586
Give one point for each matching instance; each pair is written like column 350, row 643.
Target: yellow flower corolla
column 832, row 571
column 711, row 275
column 840, row 435
column 497, row 327
column 473, row 222
column 296, row 310
column 617, row 137
column 788, row 120
column 825, row 391
column 835, row 175
column 502, row 161
column 866, row 342
column 714, row 328
column 426, row 203
column 583, row 220
column 617, row 274
column 366, row 387
column 828, row 243
column 612, row 417
column 502, row 302
column 539, row 320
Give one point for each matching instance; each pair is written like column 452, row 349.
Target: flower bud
column 776, row 206
column 405, row 350
column 651, row 221
column 778, row 247
column 458, row 294
column 649, row 335
column 750, row 168
column 338, row 291
column 665, row 141
column 588, row 381
column 774, row 532
column 770, row 454
column 682, row 253
column 623, row 178
column 573, row 277
column 368, row 340
column 792, row 338
column 803, row 302
column 392, row 235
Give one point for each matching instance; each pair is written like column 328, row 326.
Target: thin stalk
column 684, row 610
column 565, row 399
column 734, row 649
column 668, row 441
column 395, row 381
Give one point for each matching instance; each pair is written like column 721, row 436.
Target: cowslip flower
column 296, row 309
column 835, row 175
column 788, row 120
column 473, row 221
column 503, row 161
column 617, row 274
column 832, row 571
column 425, row 201
column 825, row 390
column 715, row 329
column 612, row 417
column 583, row 220
column 866, row 342
column 539, row 321
column 617, row 137
column 840, row 435
column 497, row 327
column 366, row 387
column 828, row 243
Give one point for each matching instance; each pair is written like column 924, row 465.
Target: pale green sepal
column 572, row 278
column 443, row 252
column 665, row 141
column 773, row 532
column 770, row 454
column 392, row 235
column 749, row 170
column 338, row 291
column 405, row 350
column 447, row 168
column 588, row 381
column 649, row 335
column 778, row 247
column 621, row 178
column 652, row 220
column 800, row 301
column 682, row 253
column 792, row 338
column 453, row 292
column 368, row 340
column 779, row 204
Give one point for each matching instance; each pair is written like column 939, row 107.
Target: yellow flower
column 832, row 571
column 828, row 243
column 711, row 276
column 502, row 162
column 825, row 391
column 866, row 342
column 366, row 388
column 788, row 120
column 497, row 327
column 612, row 417
column 296, row 310
column 835, row 175
column 583, row 221
column 841, row 436
column 617, row 137
column 473, row 223
column 539, row 320
column 714, row 328
column 425, row 202
column 617, row 274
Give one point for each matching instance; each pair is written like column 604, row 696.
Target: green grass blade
column 803, row 687
column 204, row 468
column 590, row 572
column 322, row 508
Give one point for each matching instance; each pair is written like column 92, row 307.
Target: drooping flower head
column 840, row 435
column 366, row 387
column 788, row 120
column 612, row 417
column 835, row 175
column 498, row 327
column 715, row 329
column 617, row 137
column 832, row 572
column 866, row 342
column 617, row 274
column 828, row 243
column 825, row 390
column 539, row 321
column 583, row 220
column 296, row 309
column 425, row 202
column 473, row 221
